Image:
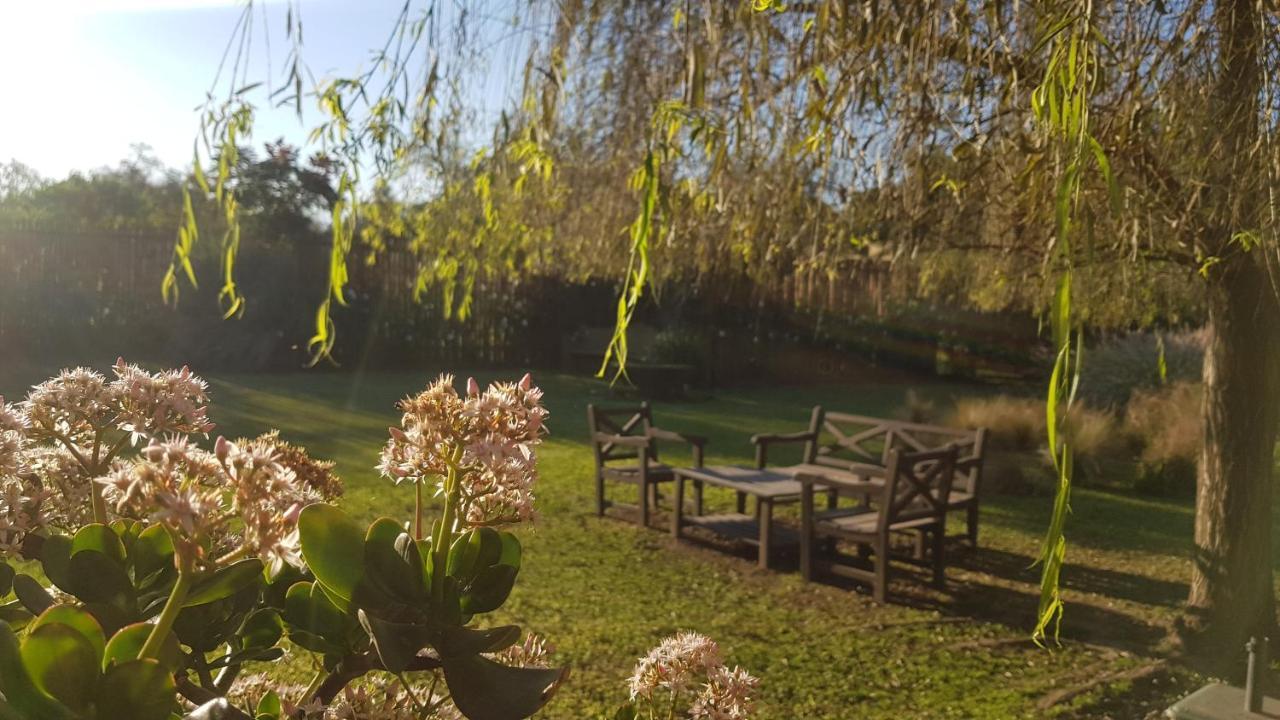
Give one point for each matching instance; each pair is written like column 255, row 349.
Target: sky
column 85, row 80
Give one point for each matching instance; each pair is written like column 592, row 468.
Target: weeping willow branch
column 1060, row 105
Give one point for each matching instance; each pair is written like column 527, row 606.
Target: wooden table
column 767, row 486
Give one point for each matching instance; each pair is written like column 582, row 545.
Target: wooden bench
column 841, row 444
column 624, row 441
column 911, row 499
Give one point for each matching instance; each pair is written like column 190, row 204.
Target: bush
column 1012, row 423
column 1167, row 424
column 1019, row 424
column 1122, row 365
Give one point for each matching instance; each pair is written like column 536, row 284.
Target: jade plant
column 144, row 576
column 152, row 578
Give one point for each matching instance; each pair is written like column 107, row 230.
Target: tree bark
column 1232, row 589
column 1232, row 594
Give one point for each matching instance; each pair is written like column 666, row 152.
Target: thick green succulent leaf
column 225, row 582
column 486, row 690
column 7, row 574
column 31, row 593
column 386, row 569
column 138, row 690
column 511, row 550
column 151, row 553
column 269, row 707
column 474, row 551
column 490, row 590
column 95, row 577
column 396, row 643
column 19, row 690
column 470, row 641
column 55, row 559
column 15, row 615
column 127, row 644
column 333, row 546
column 99, row 538
column 77, row 619
column 262, row 629
column 62, row 664
column 314, row 622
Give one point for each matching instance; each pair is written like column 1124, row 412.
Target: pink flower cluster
column 203, row 497
column 689, row 668
column 486, row 438
column 78, row 405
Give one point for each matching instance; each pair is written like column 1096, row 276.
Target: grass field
column 604, row 591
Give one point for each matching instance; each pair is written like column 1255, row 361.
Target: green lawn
column 604, row 591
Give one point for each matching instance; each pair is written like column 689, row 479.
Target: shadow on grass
column 1082, row 578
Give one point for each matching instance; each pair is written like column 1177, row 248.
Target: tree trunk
column 1232, row 594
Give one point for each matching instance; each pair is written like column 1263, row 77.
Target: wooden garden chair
column 841, row 443
column 912, row 499
column 624, row 441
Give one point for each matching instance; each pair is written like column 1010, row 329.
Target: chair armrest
column 636, row 441
column 764, row 438
column 695, row 442
column 660, row 434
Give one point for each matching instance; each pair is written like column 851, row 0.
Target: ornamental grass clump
column 174, row 567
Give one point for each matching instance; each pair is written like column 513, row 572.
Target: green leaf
column 333, row 546
column 469, row 641
column 269, row 707
column 19, row 689
column 314, row 622
column 55, row 560
column 31, row 594
column 396, row 643
column 225, row 582
column 77, row 619
column 386, row 569
column 490, row 590
column 151, row 553
column 485, row 690
column 7, row 574
column 94, row 577
column 126, row 645
column 100, row 538
column 138, row 690
column 62, row 663
column 262, row 629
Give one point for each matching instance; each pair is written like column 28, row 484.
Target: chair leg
column 879, row 588
column 918, row 553
column 599, row 496
column 939, row 557
column 806, row 543
column 697, row 497
column 653, row 496
column 971, row 524
column 644, row 504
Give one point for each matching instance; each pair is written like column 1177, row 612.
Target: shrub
column 1119, row 366
column 1166, row 423
column 1012, row 423
column 1019, row 424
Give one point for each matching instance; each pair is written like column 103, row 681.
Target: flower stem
column 417, row 511
column 177, row 596
column 99, row 503
column 445, row 537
